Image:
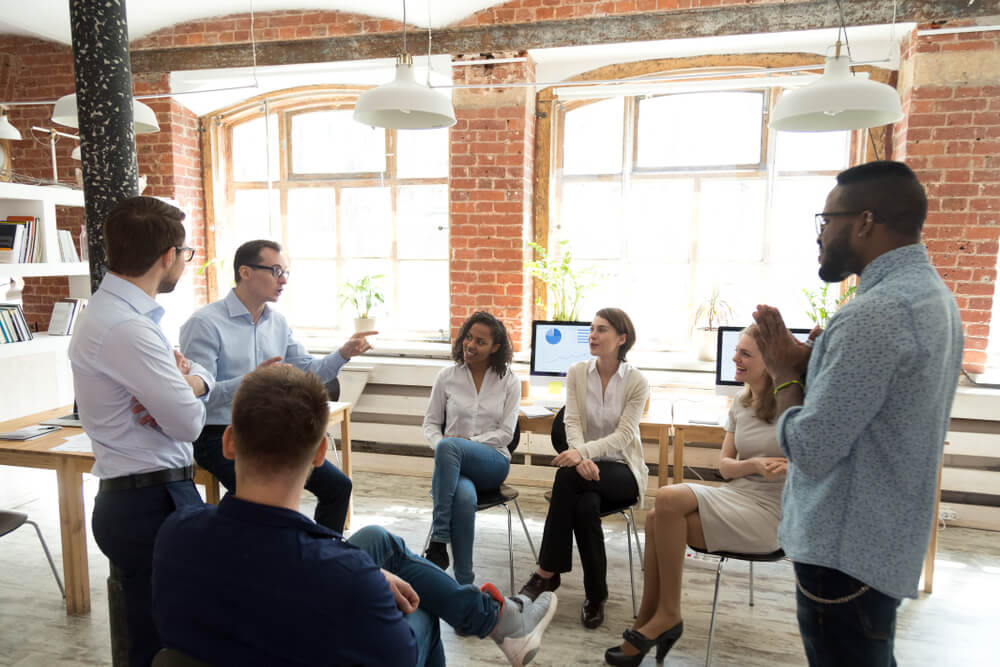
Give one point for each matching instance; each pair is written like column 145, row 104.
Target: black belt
column 147, row 479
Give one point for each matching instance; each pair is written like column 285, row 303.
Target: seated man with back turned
column 234, row 335
column 254, row 582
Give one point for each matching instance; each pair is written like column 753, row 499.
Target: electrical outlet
column 947, row 514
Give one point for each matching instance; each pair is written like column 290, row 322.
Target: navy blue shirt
column 250, row 584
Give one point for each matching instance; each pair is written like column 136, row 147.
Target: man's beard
column 837, row 259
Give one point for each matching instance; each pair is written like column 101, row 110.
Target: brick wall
column 491, row 193
column 950, row 136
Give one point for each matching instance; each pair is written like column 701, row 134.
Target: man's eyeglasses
column 822, row 222
column 275, row 270
column 185, row 252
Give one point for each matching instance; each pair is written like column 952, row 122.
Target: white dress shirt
column 604, row 406
column 487, row 416
column 118, row 352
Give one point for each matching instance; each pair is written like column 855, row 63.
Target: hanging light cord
column 404, row 26
column 428, row 41
column 253, row 46
column 847, row 44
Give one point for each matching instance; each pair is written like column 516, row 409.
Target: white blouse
column 604, row 407
column 487, row 416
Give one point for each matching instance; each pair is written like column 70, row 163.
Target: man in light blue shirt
column 864, row 435
column 138, row 401
column 239, row 333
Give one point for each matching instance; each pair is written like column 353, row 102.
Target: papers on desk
column 532, row 411
column 76, row 443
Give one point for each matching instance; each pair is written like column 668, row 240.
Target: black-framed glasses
column 275, row 270
column 185, row 252
column 821, row 218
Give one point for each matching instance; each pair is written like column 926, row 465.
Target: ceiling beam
column 677, row 24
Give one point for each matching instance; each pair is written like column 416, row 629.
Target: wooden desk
column 70, row 467
column 651, row 427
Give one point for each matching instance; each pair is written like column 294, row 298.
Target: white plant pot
column 364, row 324
column 709, row 343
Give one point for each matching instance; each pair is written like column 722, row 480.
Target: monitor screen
column 725, row 369
column 555, row 346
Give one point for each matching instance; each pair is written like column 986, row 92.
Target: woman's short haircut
column 249, row 253
column 137, row 232
column 622, row 324
column 499, row 360
column 280, row 414
column 891, row 191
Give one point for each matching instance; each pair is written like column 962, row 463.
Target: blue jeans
column 857, row 632
column 465, row 608
column 460, row 468
column 331, row 487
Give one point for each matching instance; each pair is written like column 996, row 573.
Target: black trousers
column 331, row 487
column 575, row 509
column 125, row 524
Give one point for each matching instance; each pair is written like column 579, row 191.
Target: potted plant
column 565, row 282
column 822, row 306
column 364, row 294
column 711, row 314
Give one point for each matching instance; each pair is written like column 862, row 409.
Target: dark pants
column 331, row 487
column 575, row 509
column 125, row 524
column 857, row 632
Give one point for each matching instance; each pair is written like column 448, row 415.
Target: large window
column 672, row 196
column 345, row 201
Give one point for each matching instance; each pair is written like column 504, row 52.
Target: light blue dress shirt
column 223, row 338
column 118, row 352
column 865, row 446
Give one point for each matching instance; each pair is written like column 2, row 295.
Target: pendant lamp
column 404, row 104
column 65, row 113
column 8, row 131
column 838, row 101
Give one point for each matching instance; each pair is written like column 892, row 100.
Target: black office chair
column 560, row 444
column 333, row 389
column 723, row 556
column 11, row 521
column 502, row 496
column 171, row 657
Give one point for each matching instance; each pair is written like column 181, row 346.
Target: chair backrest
column 171, row 657
column 516, row 440
column 333, row 389
column 558, row 436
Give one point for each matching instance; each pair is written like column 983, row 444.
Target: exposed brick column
column 490, row 192
column 951, row 138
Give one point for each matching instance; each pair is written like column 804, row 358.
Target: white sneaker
column 521, row 624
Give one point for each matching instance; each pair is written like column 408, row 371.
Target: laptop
column 71, row 419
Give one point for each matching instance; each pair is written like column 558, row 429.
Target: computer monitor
column 555, row 346
column 725, row 370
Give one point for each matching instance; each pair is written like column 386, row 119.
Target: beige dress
column 743, row 515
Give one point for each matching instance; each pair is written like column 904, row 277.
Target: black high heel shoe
column 665, row 642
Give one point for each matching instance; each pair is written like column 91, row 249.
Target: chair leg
column 751, row 583
column 526, row 533
column 715, row 604
column 427, row 542
column 631, row 567
column 638, row 542
column 45, row 548
column 510, row 547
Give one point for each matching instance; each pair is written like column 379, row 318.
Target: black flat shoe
column 437, row 553
column 592, row 614
column 538, row 585
column 663, row 643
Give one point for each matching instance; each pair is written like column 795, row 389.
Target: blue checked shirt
column 865, row 446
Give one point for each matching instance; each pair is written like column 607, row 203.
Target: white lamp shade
column 404, row 104
column 76, row 154
column 65, row 113
column 838, row 101
column 8, row 131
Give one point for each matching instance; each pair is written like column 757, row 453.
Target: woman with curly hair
column 469, row 422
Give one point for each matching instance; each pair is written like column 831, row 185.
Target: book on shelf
column 13, row 326
column 64, row 315
column 67, row 249
column 19, row 242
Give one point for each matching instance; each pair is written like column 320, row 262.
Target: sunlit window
column 672, row 196
column 345, row 201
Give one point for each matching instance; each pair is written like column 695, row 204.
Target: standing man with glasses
column 138, row 401
column 239, row 333
column 864, row 435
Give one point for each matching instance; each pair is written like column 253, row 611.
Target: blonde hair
column 764, row 407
